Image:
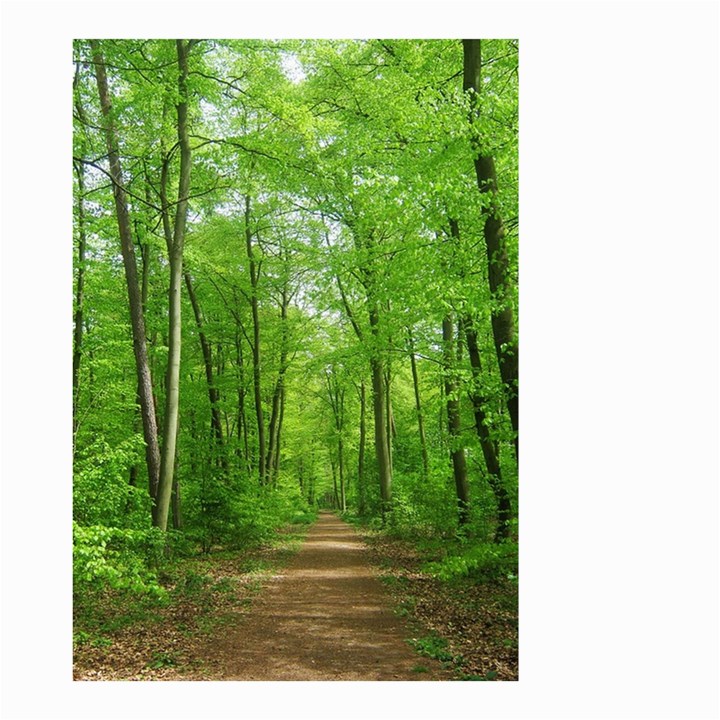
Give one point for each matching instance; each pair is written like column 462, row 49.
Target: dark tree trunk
column 418, row 406
column 79, row 289
column 276, row 459
column 503, row 321
column 242, row 420
column 256, row 345
column 361, row 454
column 382, row 445
column 274, row 427
column 336, row 500
column 213, row 394
column 137, row 320
column 457, row 452
column 504, row 507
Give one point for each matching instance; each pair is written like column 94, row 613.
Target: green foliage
column 488, row 561
column 117, row 558
column 102, row 494
column 162, row 659
column 433, row 646
column 239, row 514
column 422, row 508
column 352, row 169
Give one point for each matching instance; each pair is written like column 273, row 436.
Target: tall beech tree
column 137, row 319
column 175, row 252
column 503, row 321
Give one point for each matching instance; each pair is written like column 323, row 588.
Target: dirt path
column 325, row 617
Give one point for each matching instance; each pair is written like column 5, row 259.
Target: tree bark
column 242, row 420
column 172, row 397
column 213, row 394
column 379, row 411
column 457, row 452
column 418, row 406
column 503, row 321
column 137, row 320
column 276, row 459
column 79, row 290
column 361, row 454
column 256, row 344
column 80, row 283
column 274, row 427
column 502, row 499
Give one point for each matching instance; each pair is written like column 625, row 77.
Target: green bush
column 117, row 558
column 101, row 490
column 488, row 561
column 238, row 513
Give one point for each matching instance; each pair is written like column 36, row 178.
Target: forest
column 295, row 306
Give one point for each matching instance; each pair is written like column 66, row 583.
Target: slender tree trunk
column 504, row 507
column 172, row 397
column 274, row 427
column 242, row 420
column 79, row 289
column 341, row 469
column 213, row 393
column 256, row 344
column 336, row 500
column 379, row 410
column 361, row 454
column 389, row 420
column 503, row 321
column 137, row 321
column 80, row 283
column 418, row 407
column 276, row 460
column 457, row 452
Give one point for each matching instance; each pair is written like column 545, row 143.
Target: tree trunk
column 418, row 407
column 274, row 427
column 242, row 420
column 172, row 397
column 379, row 410
column 361, row 454
column 137, row 321
column 213, row 393
column 457, row 452
column 256, row 344
column 341, row 471
column 504, row 508
column 79, row 289
column 276, row 459
column 503, row 322
column 336, row 500
column 389, row 420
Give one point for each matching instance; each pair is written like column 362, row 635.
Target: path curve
column 326, row 616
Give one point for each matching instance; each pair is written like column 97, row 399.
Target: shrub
column 117, row 558
column 487, row 561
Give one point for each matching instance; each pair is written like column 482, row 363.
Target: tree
column 452, row 351
column 175, row 254
column 503, row 321
column 307, row 215
column 145, row 385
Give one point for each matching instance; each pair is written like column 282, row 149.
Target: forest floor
column 322, row 610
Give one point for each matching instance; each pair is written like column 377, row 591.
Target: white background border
column 619, row 363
